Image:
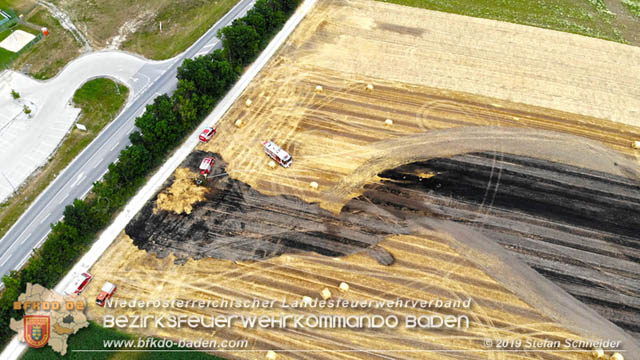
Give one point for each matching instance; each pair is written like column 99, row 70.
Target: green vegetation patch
column 19, row 6
column 6, row 58
column 100, row 101
column 53, row 52
column 25, row 29
column 584, row 17
column 633, row 6
column 183, row 22
column 9, row 4
column 93, row 338
column 4, row 35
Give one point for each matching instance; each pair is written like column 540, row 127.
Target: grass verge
column 633, row 6
column 6, row 58
column 183, row 23
column 52, row 53
column 93, row 337
column 100, row 101
column 584, row 17
column 22, row 6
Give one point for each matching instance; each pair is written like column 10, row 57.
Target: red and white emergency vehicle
column 206, row 165
column 79, row 283
column 277, row 153
column 106, row 293
column 207, row 134
column 205, row 169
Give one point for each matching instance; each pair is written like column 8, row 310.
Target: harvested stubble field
column 480, row 87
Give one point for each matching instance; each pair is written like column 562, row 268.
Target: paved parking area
column 27, row 142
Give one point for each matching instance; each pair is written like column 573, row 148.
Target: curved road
column 78, row 178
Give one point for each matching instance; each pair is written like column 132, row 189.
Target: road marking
column 10, row 247
column 45, row 218
column 80, row 177
column 25, row 238
column 115, row 146
column 7, row 253
column 41, row 240
column 5, row 261
column 101, row 176
column 97, row 163
column 22, row 263
column 64, row 198
column 85, row 193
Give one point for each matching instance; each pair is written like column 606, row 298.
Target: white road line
column 96, row 164
column 37, row 215
column 45, row 218
column 135, row 78
column 63, row 199
column 80, row 177
column 10, row 247
column 5, row 261
column 101, row 176
column 115, row 146
column 25, row 238
column 85, row 193
column 22, row 263
column 41, row 241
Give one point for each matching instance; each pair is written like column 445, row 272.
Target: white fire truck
column 277, row 153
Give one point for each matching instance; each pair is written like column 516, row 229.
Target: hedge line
column 165, row 123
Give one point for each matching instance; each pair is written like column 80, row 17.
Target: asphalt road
column 78, row 178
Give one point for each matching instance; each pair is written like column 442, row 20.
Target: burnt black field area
column 579, row 228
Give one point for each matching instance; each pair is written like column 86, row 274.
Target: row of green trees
column 165, row 123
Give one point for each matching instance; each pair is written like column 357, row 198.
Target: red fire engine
column 205, row 169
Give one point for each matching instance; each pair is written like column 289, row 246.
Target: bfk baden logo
column 36, row 330
column 49, row 318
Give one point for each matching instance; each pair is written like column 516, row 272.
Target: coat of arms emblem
column 36, row 330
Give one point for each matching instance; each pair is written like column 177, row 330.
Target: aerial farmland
column 434, row 155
